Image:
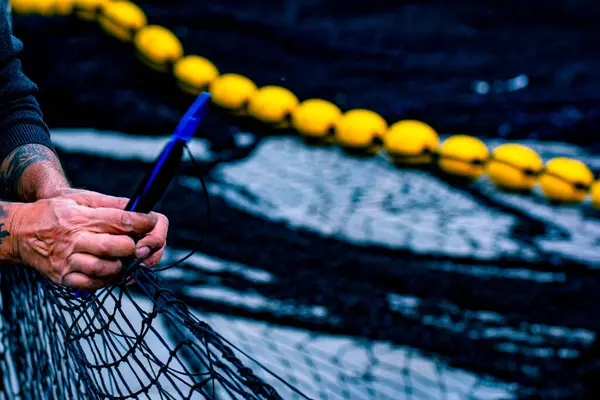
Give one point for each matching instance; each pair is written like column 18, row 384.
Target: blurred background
column 347, row 276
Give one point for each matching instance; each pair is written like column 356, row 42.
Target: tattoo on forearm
column 13, row 168
column 3, row 232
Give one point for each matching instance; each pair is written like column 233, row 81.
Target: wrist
column 31, row 172
column 50, row 189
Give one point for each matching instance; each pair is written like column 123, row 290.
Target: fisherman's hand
column 76, row 239
column 151, row 246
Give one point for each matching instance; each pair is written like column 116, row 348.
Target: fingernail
column 143, row 252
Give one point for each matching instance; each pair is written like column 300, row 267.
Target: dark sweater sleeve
column 21, row 120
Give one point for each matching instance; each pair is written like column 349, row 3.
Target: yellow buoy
column 232, row 91
column 272, row 104
column 26, row 6
column 595, row 192
column 463, row 155
column 514, row 167
column 316, row 118
column 64, row 7
column 46, row 8
column 88, row 9
column 361, row 130
column 194, row 73
column 565, row 180
column 157, row 47
column 411, row 142
column 122, row 19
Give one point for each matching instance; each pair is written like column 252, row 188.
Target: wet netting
column 324, row 275
column 110, row 346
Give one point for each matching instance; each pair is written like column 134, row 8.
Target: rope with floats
column 511, row 167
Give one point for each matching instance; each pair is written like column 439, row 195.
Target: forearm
column 31, row 172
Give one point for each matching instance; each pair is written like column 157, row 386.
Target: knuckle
column 152, row 241
column 126, row 221
column 69, row 216
column 103, row 247
column 151, row 218
column 106, row 269
column 75, row 238
column 96, row 268
column 65, row 214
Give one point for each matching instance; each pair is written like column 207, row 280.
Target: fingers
column 104, row 245
column 154, row 241
column 97, row 200
column 110, row 220
column 93, row 266
column 77, row 280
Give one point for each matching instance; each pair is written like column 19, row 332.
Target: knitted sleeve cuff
column 23, row 132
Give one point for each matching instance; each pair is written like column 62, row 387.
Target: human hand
column 154, row 241
column 77, row 238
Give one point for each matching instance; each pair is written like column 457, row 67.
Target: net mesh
column 344, row 278
column 111, row 346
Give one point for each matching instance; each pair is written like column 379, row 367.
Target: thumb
column 98, row 200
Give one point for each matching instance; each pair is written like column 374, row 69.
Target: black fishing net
column 110, row 346
column 343, row 278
